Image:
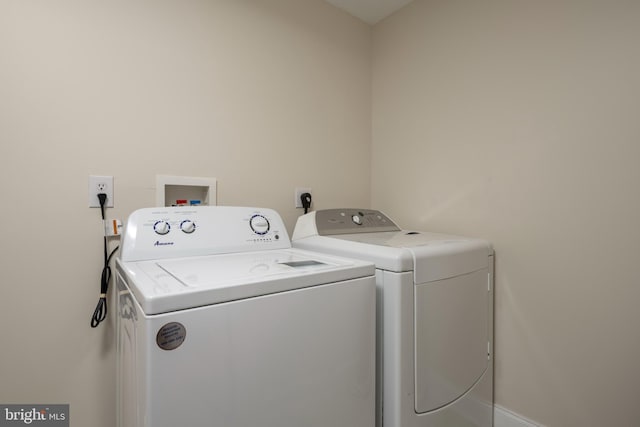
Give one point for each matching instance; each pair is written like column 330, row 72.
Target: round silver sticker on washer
column 171, row 336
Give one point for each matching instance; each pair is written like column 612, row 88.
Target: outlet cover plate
column 100, row 184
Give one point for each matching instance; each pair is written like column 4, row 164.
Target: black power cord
column 100, row 312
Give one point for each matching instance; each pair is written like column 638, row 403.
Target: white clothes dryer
column 222, row 323
column 435, row 316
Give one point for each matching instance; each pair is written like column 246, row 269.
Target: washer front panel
column 304, row 357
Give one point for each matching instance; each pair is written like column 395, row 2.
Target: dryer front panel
column 451, row 338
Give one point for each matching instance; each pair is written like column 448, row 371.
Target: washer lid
column 176, row 284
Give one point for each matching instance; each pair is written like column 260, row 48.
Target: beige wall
column 519, row 122
column 263, row 95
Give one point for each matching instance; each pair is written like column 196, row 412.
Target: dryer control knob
column 161, row 227
column 356, row 219
column 259, row 224
column 188, row 226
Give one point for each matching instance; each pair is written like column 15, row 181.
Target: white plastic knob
column 259, row 224
column 188, row 226
column 161, row 227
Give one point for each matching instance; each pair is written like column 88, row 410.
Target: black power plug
column 305, row 198
column 102, row 198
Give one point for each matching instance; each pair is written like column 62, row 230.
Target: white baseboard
column 503, row 417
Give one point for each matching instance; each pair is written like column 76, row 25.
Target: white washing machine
column 435, row 316
column 222, row 323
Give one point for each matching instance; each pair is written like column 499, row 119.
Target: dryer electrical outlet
column 299, row 191
column 100, row 184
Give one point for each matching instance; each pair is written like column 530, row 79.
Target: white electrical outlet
column 97, row 185
column 299, row 191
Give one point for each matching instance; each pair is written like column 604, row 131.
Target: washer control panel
column 172, row 232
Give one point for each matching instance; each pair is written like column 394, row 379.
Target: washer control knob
column 161, row 227
column 356, row 219
column 188, row 226
column 259, row 224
